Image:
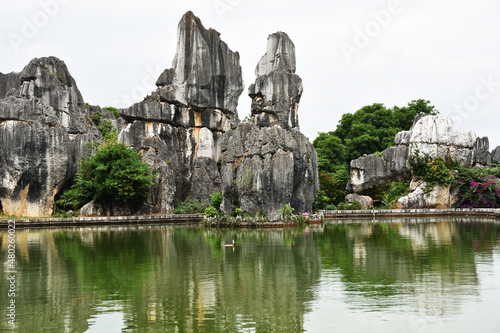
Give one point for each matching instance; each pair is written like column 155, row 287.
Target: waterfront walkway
column 198, row 218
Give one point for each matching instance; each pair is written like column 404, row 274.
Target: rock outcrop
column 267, row 163
column 179, row 127
column 495, row 156
column 44, row 127
column 371, row 170
column 365, row 201
column 438, row 197
column 482, row 153
column 277, row 90
column 433, row 135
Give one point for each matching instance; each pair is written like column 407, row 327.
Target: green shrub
column 105, row 126
column 438, row 173
column 355, row 205
column 211, row 212
column 238, row 212
column 396, row 190
column 478, row 188
column 72, row 199
column 330, row 207
column 260, row 213
column 300, row 220
column 189, row 207
column 113, row 110
column 96, row 117
column 216, row 200
column 286, row 213
column 432, row 171
column 334, row 185
column 321, row 200
column 113, row 173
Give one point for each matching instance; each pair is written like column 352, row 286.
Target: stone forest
column 190, row 136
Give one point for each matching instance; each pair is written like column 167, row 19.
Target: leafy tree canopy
column 369, row 130
column 114, row 173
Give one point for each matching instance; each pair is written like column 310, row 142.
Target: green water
column 392, row 276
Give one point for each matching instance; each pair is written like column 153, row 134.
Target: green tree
column 114, row 173
column 331, row 152
column 369, row 130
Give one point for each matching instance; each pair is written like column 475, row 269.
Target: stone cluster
column 44, row 128
column 268, row 163
column 179, row 127
column 432, row 135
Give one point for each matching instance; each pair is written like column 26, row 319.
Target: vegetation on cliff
column 369, row 130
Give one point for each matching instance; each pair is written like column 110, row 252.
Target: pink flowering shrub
column 477, row 189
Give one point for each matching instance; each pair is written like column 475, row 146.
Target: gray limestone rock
column 495, row 155
column 267, row 168
column 114, row 209
column 277, row 89
column 91, row 209
column 44, row 127
column 180, row 125
column 9, row 83
column 482, row 151
column 365, row 201
column 371, row 170
column 433, row 135
column 440, row 197
column 205, row 73
column 268, row 163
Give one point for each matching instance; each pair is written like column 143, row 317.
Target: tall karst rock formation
column 187, row 129
column 179, row 127
column 267, row 162
column 44, row 127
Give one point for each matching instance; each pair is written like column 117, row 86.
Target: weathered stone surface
column 365, row 201
column 9, row 83
column 180, row 125
column 371, row 170
column 436, row 136
column 268, row 163
column 91, row 209
column 433, row 135
column 482, row 151
column 439, row 197
column 205, row 73
column 495, row 155
column 277, row 90
column 268, row 168
column 113, row 209
column 44, row 127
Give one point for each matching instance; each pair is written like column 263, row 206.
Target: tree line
column 369, row 130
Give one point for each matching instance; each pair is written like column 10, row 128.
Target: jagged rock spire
column 277, row 89
column 205, row 73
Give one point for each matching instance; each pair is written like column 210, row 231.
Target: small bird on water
column 231, row 245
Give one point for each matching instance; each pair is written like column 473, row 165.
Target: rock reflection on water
column 165, row 278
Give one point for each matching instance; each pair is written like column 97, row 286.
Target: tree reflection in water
column 164, row 278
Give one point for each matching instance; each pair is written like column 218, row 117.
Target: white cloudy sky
column 349, row 53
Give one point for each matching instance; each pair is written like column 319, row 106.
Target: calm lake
column 400, row 275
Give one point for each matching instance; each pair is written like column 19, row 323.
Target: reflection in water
column 167, row 279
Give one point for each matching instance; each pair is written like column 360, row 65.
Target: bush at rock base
column 216, row 200
column 356, row 205
column 478, row 188
column 432, row 171
column 114, row 173
column 212, row 212
column 192, row 206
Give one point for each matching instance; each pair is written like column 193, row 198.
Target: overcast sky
column 349, row 53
